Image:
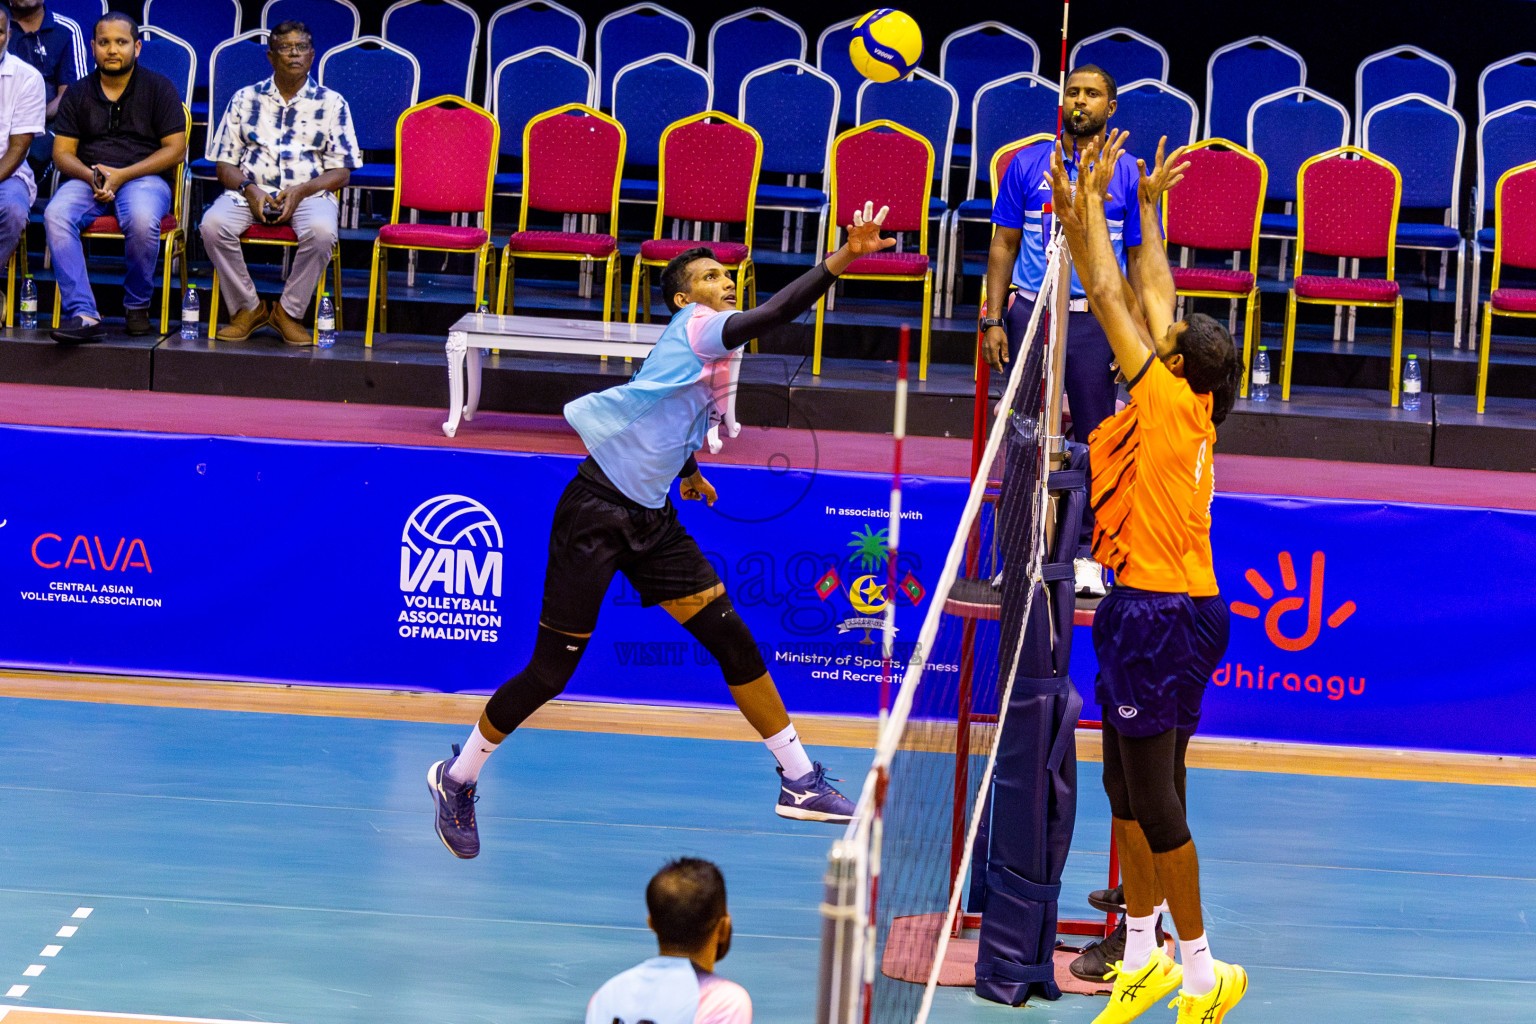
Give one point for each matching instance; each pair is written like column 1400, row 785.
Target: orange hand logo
column 1313, row 603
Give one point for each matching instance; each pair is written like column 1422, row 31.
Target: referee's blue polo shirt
column 56, row 49
column 1026, row 188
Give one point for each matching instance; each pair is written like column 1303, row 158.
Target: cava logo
column 451, row 544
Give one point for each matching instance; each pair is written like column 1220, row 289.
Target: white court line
column 33, row 971
column 16, row 991
column 66, row 932
column 50, row 951
column 122, row 1016
column 82, row 912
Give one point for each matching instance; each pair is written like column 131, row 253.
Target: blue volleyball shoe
column 455, row 804
column 812, row 798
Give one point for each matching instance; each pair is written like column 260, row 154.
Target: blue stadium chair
column 528, row 25
column 648, row 95
column 443, row 36
column 527, row 84
column 1502, row 83
column 172, row 56
column 928, row 105
column 1012, row 107
column 82, row 12
column 1238, row 75
column 1397, row 72
column 379, row 81
column 203, row 23
column 1286, row 128
column 1124, row 53
column 1149, row 110
column 743, row 42
column 234, row 64
column 633, row 34
column 1505, row 138
column 330, row 22
column 793, row 107
column 984, row 52
column 832, row 59
column 1424, row 139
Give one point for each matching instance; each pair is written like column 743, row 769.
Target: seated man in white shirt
column 686, row 900
column 23, row 106
column 285, row 145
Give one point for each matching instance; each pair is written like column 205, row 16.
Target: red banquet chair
column 572, row 159
column 1218, row 205
column 173, row 243
column 1346, row 206
column 883, row 163
column 708, row 173
column 1514, row 244
column 445, row 160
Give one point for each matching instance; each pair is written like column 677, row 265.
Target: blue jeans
column 140, row 205
column 13, row 215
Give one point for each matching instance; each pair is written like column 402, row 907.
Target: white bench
column 476, row 331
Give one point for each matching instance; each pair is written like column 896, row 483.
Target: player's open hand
column 696, row 488
column 864, row 232
column 1096, row 164
column 1063, row 197
column 1166, row 172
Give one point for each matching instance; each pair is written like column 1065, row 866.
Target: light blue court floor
column 284, row 868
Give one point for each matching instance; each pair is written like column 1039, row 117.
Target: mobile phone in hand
column 99, row 178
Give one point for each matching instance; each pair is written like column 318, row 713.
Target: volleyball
column 886, row 45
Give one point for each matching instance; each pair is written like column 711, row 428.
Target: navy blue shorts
column 1213, row 628
column 1146, row 645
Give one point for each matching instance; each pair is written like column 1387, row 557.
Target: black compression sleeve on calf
column 554, row 661
column 723, row 634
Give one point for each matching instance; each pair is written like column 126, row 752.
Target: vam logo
column 1313, row 603
column 454, row 543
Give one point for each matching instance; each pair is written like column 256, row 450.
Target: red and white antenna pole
column 1061, row 95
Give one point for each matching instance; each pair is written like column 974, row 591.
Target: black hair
column 686, row 899
column 1093, row 69
column 288, row 28
column 1212, row 364
column 674, row 278
column 133, row 26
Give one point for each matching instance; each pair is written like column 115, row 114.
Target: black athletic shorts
column 598, row 532
column 1145, row 642
column 1213, row 629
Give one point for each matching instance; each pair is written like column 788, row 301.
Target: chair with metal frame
column 633, row 34
column 380, row 81
column 173, row 239
column 1124, row 53
column 1505, row 138
column 649, row 95
column 330, row 22
column 234, row 64
column 1218, row 206
column 998, row 166
column 572, row 159
column 1506, row 82
column 445, row 153
column 832, row 59
column 1346, row 207
column 1239, row 74
column 971, row 57
column 741, row 43
column 172, row 56
column 1284, row 135
column 525, row 85
column 202, row 23
column 1396, row 72
column 1514, row 204
column 708, row 172
column 443, row 36
column 890, row 165
column 1150, row 109
column 281, row 235
column 793, row 107
column 528, row 25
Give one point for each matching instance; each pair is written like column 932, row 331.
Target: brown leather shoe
column 293, row 332
column 245, row 323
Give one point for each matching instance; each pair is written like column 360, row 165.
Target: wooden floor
column 726, row 724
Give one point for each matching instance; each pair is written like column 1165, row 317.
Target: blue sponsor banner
column 1353, row 622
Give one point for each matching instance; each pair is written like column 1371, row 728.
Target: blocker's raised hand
column 864, row 232
column 1165, row 173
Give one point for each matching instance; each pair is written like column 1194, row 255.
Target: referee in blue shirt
column 1016, row 268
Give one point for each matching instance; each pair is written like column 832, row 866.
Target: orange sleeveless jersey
column 1152, row 487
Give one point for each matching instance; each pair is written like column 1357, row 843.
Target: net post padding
column 863, row 833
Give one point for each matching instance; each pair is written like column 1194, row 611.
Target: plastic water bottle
column 1259, row 392
column 191, row 314
column 325, row 323
column 1411, row 384
column 28, row 304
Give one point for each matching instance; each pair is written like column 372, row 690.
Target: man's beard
column 1082, row 127
column 127, row 68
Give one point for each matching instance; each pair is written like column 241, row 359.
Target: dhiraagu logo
column 1313, row 603
column 451, row 571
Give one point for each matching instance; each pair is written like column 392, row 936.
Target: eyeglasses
column 296, row 50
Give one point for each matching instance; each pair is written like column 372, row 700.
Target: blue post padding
column 1031, row 807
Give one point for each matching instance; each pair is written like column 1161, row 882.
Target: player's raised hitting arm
column 1153, row 281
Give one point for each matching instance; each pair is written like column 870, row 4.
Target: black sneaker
column 76, row 331
column 138, row 322
column 1111, row 901
column 1096, row 961
column 455, row 806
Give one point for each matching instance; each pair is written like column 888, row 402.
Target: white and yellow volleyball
column 886, row 45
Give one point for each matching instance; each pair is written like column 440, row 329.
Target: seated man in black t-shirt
column 120, row 133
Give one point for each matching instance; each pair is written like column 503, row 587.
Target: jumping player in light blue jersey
column 616, row 516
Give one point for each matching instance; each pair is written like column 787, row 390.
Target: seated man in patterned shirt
column 283, row 149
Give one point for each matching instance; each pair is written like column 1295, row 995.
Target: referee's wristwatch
column 989, row 322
